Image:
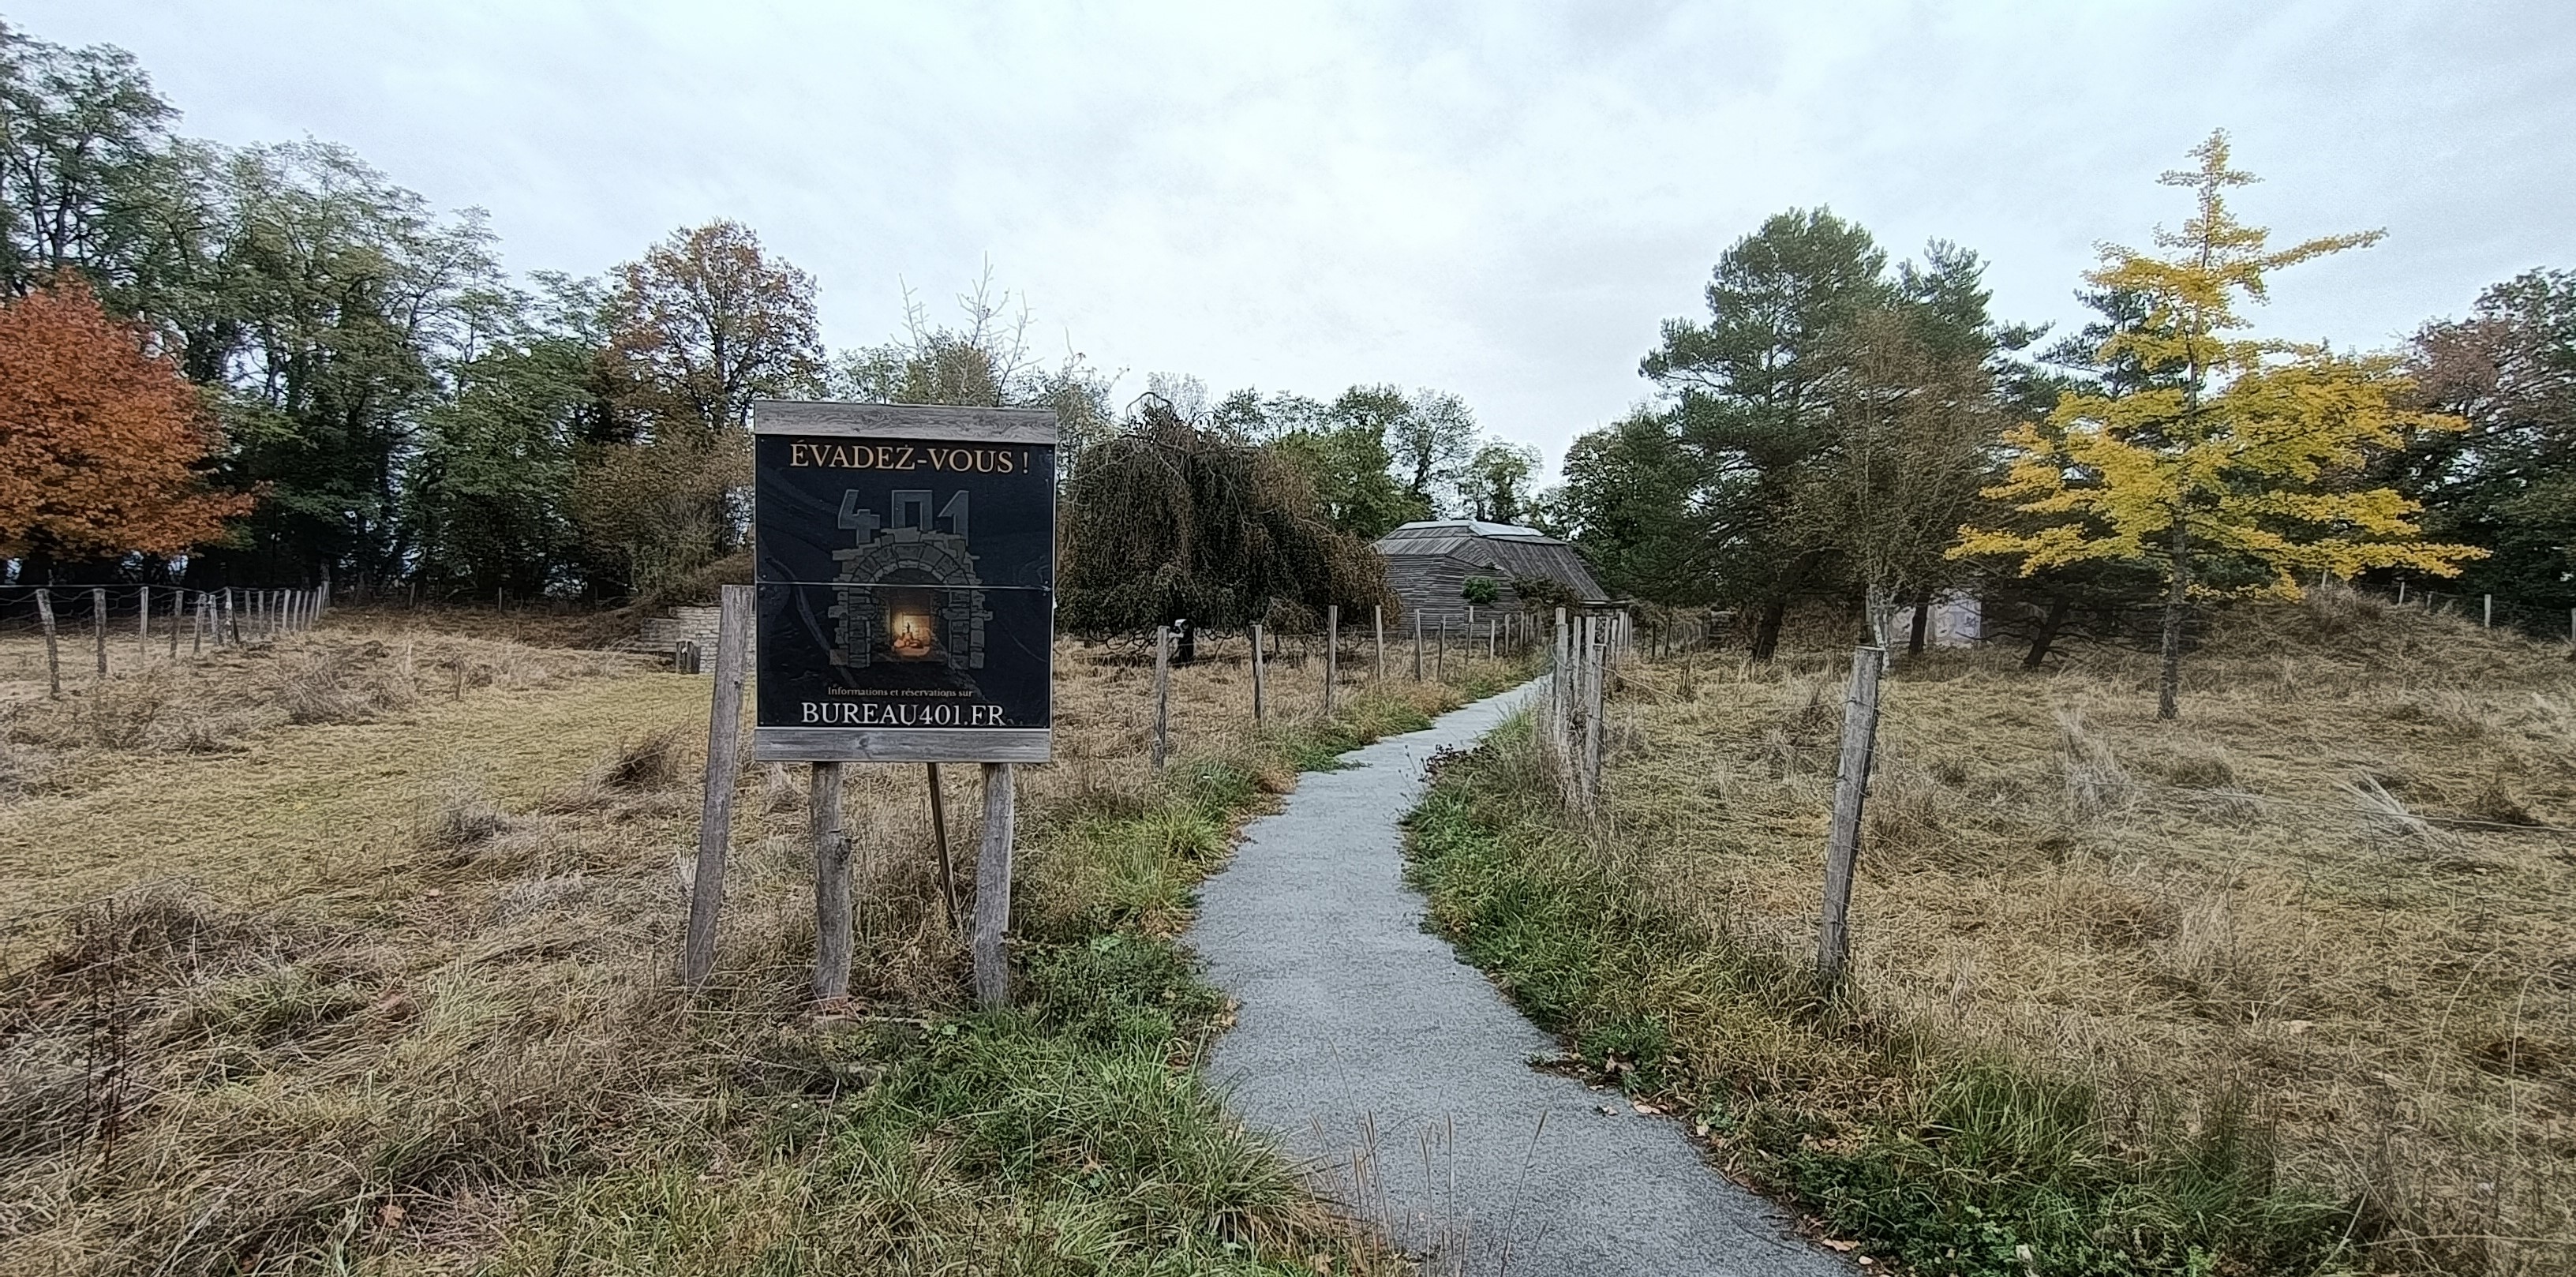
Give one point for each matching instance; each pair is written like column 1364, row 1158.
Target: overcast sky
column 1501, row 200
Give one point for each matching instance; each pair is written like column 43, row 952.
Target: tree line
column 286, row 368
column 1844, row 429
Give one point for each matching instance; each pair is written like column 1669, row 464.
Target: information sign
column 904, row 565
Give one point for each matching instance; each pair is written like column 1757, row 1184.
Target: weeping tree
column 1166, row 519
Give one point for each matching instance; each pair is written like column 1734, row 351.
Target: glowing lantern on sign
column 910, row 635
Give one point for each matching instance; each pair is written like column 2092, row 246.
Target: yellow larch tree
column 2226, row 451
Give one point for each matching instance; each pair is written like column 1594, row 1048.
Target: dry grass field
column 354, row 952
column 2289, row 985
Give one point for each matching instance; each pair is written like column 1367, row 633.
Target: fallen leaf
column 1643, row 1107
column 1831, row 1244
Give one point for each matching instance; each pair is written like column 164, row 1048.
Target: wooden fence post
column 1851, row 787
column 715, row 813
column 1332, row 652
column 1596, row 650
column 1560, row 727
column 1162, row 693
column 993, row 886
column 831, row 883
column 53, row 650
column 98, row 625
column 1440, row 650
column 1491, row 637
column 1377, row 623
column 143, row 625
column 1256, row 672
column 1417, row 645
column 947, row 867
column 178, row 610
column 2489, row 622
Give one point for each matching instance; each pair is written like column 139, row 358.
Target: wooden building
column 1428, row 564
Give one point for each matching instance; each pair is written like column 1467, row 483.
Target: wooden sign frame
column 932, row 640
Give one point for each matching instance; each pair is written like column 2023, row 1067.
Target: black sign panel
column 905, row 572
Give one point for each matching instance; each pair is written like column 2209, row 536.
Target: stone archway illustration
column 912, row 591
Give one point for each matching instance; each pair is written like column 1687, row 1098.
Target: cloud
column 1501, row 200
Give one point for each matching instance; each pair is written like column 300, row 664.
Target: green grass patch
column 1948, row 1160
column 1068, row 1134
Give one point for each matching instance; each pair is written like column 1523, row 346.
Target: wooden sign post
column 724, row 763
column 993, row 885
column 904, row 579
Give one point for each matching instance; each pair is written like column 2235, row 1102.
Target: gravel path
column 1403, row 1077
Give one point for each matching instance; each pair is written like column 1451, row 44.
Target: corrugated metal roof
column 1470, row 527
column 1510, row 550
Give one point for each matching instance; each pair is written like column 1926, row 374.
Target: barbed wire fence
column 157, row 621
column 2490, row 612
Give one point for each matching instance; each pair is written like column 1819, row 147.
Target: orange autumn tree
column 99, row 440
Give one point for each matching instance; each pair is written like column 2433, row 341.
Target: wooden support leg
column 831, row 886
column 715, row 815
column 993, row 886
column 947, row 867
